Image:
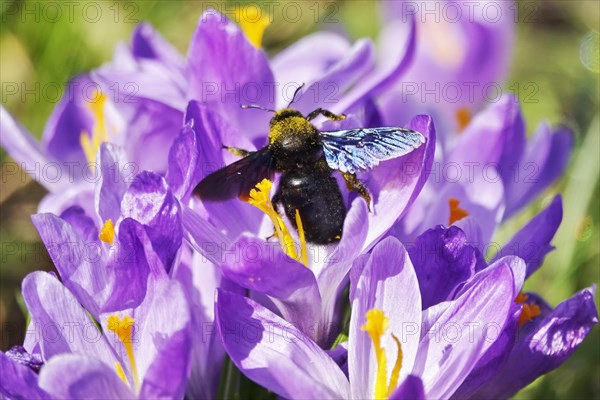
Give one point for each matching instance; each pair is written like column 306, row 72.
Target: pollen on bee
column 259, row 198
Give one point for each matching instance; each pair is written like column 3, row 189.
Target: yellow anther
column 376, row 325
column 120, row 372
column 463, row 118
column 253, row 21
column 456, row 213
column 259, row 198
column 107, row 232
column 303, row 252
column 91, row 143
column 123, row 328
column 530, row 310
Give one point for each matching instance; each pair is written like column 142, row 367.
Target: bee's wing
column 360, row 149
column 237, row 179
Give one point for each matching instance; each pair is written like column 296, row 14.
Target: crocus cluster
column 162, row 295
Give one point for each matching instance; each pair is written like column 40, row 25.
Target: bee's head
column 284, row 114
column 294, row 139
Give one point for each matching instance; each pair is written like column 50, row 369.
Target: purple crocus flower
column 393, row 349
column 491, row 172
column 536, row 339
column 306, row 296
column 110, row 257
column 138, row 353
column 461, row 60
column 111, row 266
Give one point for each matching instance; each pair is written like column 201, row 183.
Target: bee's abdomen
column 317, row 197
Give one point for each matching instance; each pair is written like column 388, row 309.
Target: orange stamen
column 456, row 213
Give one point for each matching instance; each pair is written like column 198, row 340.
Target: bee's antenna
column 246, row 106
column 295, row 94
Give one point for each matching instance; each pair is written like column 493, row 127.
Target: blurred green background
column 40, row 48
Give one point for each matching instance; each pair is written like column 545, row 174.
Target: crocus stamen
column 376, row 325
column 259, row 198
column 99, row 134
column 123, row 328
column 303, row 252
column 253, row 22
column 397, row 367
column 107, row 232
column 530, row 310
column 121, row 372
column 456, row 213
column 463, row 118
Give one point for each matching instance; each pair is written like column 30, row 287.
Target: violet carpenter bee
column 307, row 159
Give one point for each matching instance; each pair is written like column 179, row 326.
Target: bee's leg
column 355, row 185
column 236, row 151
column 327, row 114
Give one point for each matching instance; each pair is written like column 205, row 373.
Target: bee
column 307, row 159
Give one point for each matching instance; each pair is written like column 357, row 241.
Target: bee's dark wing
column 237, row 179
column 363, row 148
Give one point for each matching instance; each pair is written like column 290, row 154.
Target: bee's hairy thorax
column 294, row 140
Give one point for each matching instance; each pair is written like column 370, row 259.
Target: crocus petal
column 493, row 359
column 396, row 183
column 200, row 279
column 69, row 119
column 151, row 69
column 305, row 61
column 481, row 197
column 545, row 159
column 325, row 91
column 83, row 225
column 269, row 351
column 451, row 53
column 79, row 193
column 204, row 237
column 532, row 242
column 335, row 265
column 74, row 376
column 339, row 354
column 183, row 157
column 212, row 132
column 392, row 64
column 135, row 267
column 472, row 231
column 19, row 381
column 459, row 336
column 112, row 184
column 150, row 201
column 264, row 268
column 148, row 43
column 219, row 60
column 165, row 338
column 388, row 282
column 442, row 260
column 410, row 389
column 516, row 266
column 156, row 125
column 555, row 338
column 78, row 260
column 496, row 136
column 65, row 326
column 23, row 148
